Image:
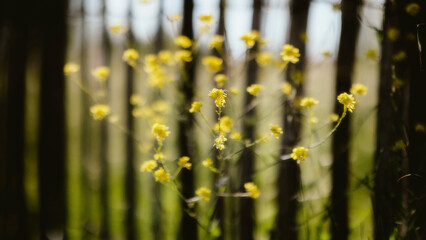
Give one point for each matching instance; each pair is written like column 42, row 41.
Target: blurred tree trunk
column 289, row 171
column 104, row 176
column 247, row 158
column 51, row 151
column 188, row 225
column 340, row 143
column 13, row 54
column 130, row 194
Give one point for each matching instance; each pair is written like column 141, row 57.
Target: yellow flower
column 213, row 63
column 216, row 42
column 220, row 79
column 130, row 56
column 161, row 175
column 358, row 88
column 308, row 102
column 262, row 42
column 420, row 128
column 326, row 53
column 252, row 189
column 208, row 163
column 160, row 131
column 234, row 91
column 299, row 153
column 166, row 57
column 148, row 166
column 183, row 56
column 287, row 88
column 183, row 162
column 183, row 41
column 347, row 100
column 276, row 130
column 174, row 17
column 195, row 107
column 71, row 68
column 207, row 18
column 399, row 56
column 337, row 6
column 393, row 34
column 219, row 95
column 219, row 142
column 236, row 136
column 371, row 54
column 159, row 156
column 250, row 38
column 101, row 73
column 303, row 37
column 254, row 89
column 204, row 193
column 117, row 28
column 413, row 9
column 290, row 53
column 135, row 99
column 334, row 117
column 225, row 125
column 399, row 145
column 99, row 111
column 313, row 120
column 263, row 58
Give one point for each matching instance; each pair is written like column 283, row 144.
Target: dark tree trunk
column 188, row 226
column 340, row 143
column 247, row 158
column 51, row 151
column 289, row 171
column 130, row 194
column 13, row 209
column 104, row 138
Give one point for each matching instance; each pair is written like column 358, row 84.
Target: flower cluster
column 219, row 96
column 347, row 100
column 252, row 190
column 290, row 53
column 99, row 111
column 299, row 154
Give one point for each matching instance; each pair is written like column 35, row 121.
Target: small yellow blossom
column 101, row 73
column 213, row 63
column 308, row 102
column 117, row 28
column 220, row 79
column 174, row 17
column 286, row 88
column 71, row 68
column 165, row 56
column 236, row 136
column 216, row 42
column 148, row 166
column 313, row 120
column 371, row 54
column 135, row 99
column 99, row 111
column 303, row 37
column 250, row 38
column 334, row 117
column 183, row 41
column 347, row 100
column 276, row 130
column 420, row 128
column 204, row 193
column 161, row 175
column 399, row 145
column 219, row 142
column 393, row 34
column 208, row 163
column 413, row 9
column 204, row 29
column 399, row 56
column 183, row 56
column 225, row 125
column 234, row 91
column 263, row 58
column 337, row 6
column 219, row 95
column 299, row 153
column 358, row 88
column 159, row 156
column 252, row 190
column 254, row 89
column 160, row 131
column 207, row 18
column 290, row 53
column 262, row 42
column 195, row 107
column 326, row 53
column 183, row 162
column 130, row 56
